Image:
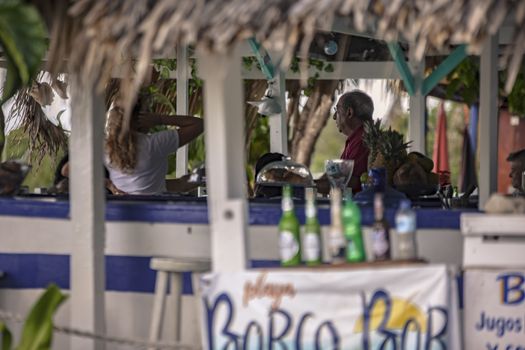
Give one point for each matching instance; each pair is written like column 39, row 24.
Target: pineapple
column 387, row 148
column 394, row 151
column 372, row 139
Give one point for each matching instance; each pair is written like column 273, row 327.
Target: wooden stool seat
column 171, row 270
column 180, row 264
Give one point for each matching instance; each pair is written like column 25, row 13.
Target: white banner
column 388, row 308
column 494, row 311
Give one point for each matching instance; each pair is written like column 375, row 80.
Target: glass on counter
column 339, row 172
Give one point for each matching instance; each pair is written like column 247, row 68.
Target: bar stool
column 166, row 268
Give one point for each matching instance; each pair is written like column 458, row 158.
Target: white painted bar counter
column 36, row 240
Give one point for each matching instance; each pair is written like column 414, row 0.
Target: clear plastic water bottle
column 406, row 231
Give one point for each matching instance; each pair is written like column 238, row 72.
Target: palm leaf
column 23, row 39
column 44, row 136
column 38, row 328
column 7, row 338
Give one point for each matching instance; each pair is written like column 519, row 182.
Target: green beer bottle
column 312, row 231
column 289, row 238
column 355, row 249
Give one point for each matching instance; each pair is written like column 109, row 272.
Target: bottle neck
column 310, row 210
column 379, row 211
column 287, row 204
column 336, row 212
column 348, row 195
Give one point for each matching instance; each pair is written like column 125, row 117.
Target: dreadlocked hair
column 121, row 145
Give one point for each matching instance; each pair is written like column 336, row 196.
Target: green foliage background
column 42, row 173
column 455, row 125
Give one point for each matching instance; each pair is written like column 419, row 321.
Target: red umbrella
column 440, row 156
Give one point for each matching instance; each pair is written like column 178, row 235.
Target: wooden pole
column 183, row 73
column 225, row 159
column 488, row 121
column 87, row 215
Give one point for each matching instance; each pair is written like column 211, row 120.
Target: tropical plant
column 23, row 40
column 387, row 148
column 464, row 81
column 45, row 138
column 38, row 327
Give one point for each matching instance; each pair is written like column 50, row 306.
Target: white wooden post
column 225, row 158
column 278, row 122
column 87, row 215
column 183, row 73
column 488, row 121
column 417, row 104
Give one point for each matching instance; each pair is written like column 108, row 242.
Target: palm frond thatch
column 95, row 36
column 110, row 32
column 44, row 136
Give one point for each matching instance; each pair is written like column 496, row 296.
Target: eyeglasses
column 336, row 110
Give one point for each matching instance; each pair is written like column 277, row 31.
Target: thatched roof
column 98, row 35
column 91, row 38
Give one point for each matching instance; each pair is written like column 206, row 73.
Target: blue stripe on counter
column 123, row 273
column 32, row 208
column 197, row 213
column 25, row 271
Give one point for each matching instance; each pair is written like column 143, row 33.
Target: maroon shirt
column 356, row 149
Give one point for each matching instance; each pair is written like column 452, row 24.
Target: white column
column 278, row 122
column 488, row 121
column 417, row 102
column 87, row 274
column 183, row 73
column 225, row 158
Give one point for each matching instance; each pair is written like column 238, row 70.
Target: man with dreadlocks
column 137, row 161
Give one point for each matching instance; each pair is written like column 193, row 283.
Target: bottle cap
column 405, row 204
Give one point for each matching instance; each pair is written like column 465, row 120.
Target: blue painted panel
column 265, row 264
column 123, row 273
column 184, row 213
column 133, row 274
column 197, row 213
column 32, row 208
column 26, row 271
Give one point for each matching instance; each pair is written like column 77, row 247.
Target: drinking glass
column 339, row 172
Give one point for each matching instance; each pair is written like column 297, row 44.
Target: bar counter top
column 190, row 210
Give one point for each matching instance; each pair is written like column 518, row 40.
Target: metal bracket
column 263, row 58
column 402, row 67
column 445, row 67
column 433, row 79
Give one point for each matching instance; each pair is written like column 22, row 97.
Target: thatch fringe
column 44, row 136
column 98, row 35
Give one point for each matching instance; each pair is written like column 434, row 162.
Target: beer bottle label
column 405, row 225
column 337, row 244
column 311, row 247
column 350, row 245
column 288, row 246
column 380, row 244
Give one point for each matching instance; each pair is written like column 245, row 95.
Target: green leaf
column 163, row 100
column 23, row 37
column 7, row 338
column 329, row 68
column 38, row 328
